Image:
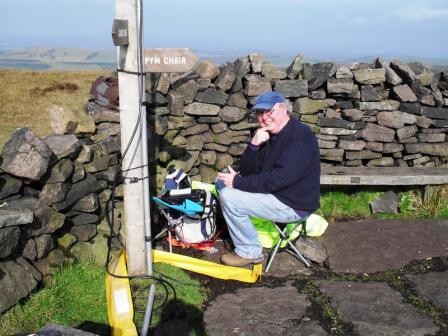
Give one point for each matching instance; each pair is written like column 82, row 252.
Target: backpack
column 195, row 227
column 104, row 91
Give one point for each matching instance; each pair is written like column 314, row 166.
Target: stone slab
column 375, row 245
column 432, row 286
column 376, row 309
column 261, row 311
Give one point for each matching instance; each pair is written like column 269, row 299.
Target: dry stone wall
column 363, row 114
column 53, row 196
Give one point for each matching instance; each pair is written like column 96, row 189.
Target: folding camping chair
column 285, row 236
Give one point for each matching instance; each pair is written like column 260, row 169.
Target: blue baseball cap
column 267, row 100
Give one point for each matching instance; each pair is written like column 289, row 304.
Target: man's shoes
column 232, row 259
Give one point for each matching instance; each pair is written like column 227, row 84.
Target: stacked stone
column 379, row 114
column 53, row 195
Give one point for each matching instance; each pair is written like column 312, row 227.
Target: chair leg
column 272, row 256
column 283, row 238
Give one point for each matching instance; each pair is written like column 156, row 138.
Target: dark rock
column 373, row 132
column 370, row 76
column 179, row 79
column 78, row 191
column 292, row 88
column 101, row 163
column 406, row 132
column 16, row 282
column 45, row 219
column 242, row 68
column 226, row 78
column 196, row 129
column 88, row 203
column 385, row 105
column 318, row 94
column 384, row 161
column 413, row 108
column 29, row 250
column 85, row 155
column 368, row 93
column 109, row 175
column 9, row 240
column 44, row 244
column 395, row 119
column 428, row 100
column 340, row 86
column 110, row 145
column 25, row 155
column 9, row 186
column 406, row 73
column 201, row 109
column 233, row 114
column 435, row 112
column 392, row 147
column 361, row 155
column 255, row 85
column 423, row 122
column 54, row 329
column 270, row 71
column 49, row 265
column 78, row 173
column 404, row 93
column 436, row 149
column 359, row 303
column 212, row 96
column 391, row 75
column 388, row 202
column 354, row 145
column 440, row 123
column 15, row 217
column 312, row 249
column 208, row 120
column 60, row 172
column 54, row 192
column 243, row 125
column 207, row 70
column 432, row 287
column 364, row 238
column 435, row 137
column 295, row 67
column 156, row 99
column 106, row 116
column 259, row 307
column 175, row 103
column 63, row 146
column 237, row 99
column 352, row 114
column 84, row 232
column 320, row 73
column 187, row 91
column 344, row 104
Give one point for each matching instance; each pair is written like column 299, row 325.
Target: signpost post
column 127, row 33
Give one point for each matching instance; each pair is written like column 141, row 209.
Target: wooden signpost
column 169, row 60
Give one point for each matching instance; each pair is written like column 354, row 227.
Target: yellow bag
column 269, row 236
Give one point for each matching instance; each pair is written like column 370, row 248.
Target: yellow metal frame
column 209, row 268
column 120, row 308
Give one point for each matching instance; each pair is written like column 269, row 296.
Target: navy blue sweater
column 287, row 165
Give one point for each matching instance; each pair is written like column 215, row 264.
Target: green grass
column 181, row 299
column 429, row 202
column 76, row 296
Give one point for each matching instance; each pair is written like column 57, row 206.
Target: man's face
column 274, row 119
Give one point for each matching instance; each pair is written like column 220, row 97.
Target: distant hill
column 91, row 59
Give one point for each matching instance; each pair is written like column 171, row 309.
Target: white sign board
column 169, row 60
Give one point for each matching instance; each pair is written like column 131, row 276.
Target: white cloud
column 359, row 20
column 421, row 13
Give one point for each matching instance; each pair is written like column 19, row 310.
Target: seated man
column 279, row 178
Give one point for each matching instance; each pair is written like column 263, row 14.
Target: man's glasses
column 264, row 112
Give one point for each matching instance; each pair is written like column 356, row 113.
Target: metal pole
column 145, row 170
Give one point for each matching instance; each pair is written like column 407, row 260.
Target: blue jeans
column 237, row 206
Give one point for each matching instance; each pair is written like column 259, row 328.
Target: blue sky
column 313, row 27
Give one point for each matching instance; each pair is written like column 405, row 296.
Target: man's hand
column 227, row 178
column 261, row 135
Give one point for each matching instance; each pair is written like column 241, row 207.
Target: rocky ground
column 383, row 277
